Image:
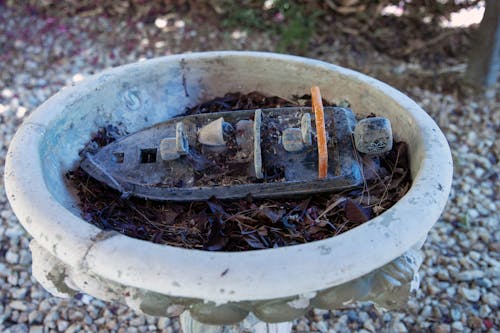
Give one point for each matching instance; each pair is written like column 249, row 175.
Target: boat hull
column 174, row 180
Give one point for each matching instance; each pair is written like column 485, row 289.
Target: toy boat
column 262, row 153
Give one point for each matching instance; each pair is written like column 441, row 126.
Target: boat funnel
column 212, row 134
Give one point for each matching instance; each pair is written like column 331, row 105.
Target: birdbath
column 376, row 261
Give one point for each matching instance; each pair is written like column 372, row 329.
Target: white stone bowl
column 138, row 95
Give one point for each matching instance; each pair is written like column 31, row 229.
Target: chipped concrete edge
column 389, row 287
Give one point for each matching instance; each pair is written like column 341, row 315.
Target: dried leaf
column 269, row 214
column 262, row 231
column 216, row 208
column 372, row 169
column 331, row 206
column 254, row 242
column 355, row 213
column 395, row 182
column 242, row 219
column 197, row 161
column 167, row 217
column 157, row 237
column 216, row 240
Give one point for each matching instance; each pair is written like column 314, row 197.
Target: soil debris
column 244, row 224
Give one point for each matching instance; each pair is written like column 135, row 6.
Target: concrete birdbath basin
column 376, row 261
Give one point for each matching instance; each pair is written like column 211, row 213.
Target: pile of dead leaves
column 245, row 224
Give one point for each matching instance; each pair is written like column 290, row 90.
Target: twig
column 393, row 168
column 329, row 208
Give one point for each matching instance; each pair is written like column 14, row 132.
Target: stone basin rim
column 227, row 276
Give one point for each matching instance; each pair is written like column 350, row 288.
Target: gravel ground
column 461, row 273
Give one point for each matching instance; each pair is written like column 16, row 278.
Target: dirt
column 244, row 224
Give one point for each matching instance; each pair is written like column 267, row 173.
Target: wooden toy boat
column 262, row 153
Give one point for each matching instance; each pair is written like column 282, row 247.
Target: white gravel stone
column 138, row 321
column 457, row 326
column 18, row 305
column 433, row 289
column 443, row 275
column 399, row 327
column 11, row 257
column 455, row 313
column 62, row 325
column 44, row 306
column 100, row 321
column 426, row 311
column 19, row 328
column 98, row 303
column 484, row 311
column 491, row 299
column 163, row 322
column 475, row 323
column 24, row 257
column 150, row 320
column 442, row 328
column 35, row 316
column 472, row 295
column 13, row 232
column 18, row 293
column 3, row 269
column 469, row 275
column 73, row 328
column 368, row 325
column 322, row 327
column 36, row 329
column 51, row 317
